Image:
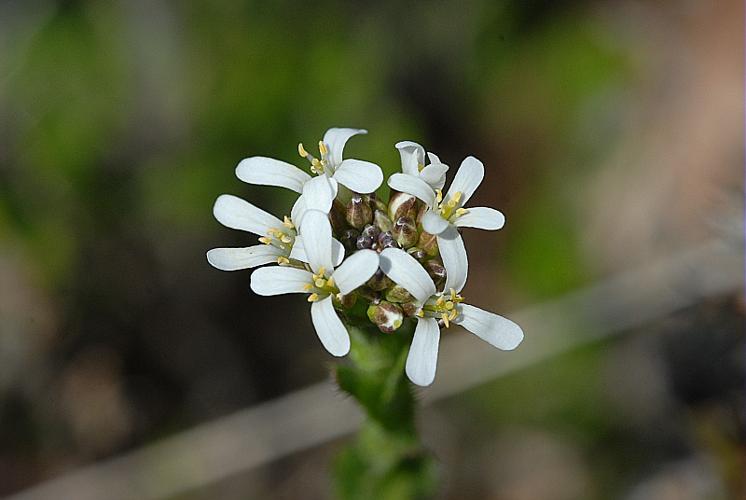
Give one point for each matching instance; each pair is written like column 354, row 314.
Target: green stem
column 387, row 460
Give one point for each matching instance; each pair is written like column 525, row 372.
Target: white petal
column 330, row 329
column 405, row 271
column 433, row 223
column 299, row 252
column 453, row 254
column 298, row 210
column 336, row 138
column 434, row 158
column 356, row 270
column 412, row 185
column 412, row 156
column 359, row 176
column 318, row 194
column 277, row 280
column 467, row 179
column 270, row 172
column 493, row 329
column 233, row 259
column 481, row 218
column 317, row 240
column 423, row 353
column 231, row 211
column 435, row 175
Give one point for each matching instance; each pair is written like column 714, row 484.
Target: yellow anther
column 453, row 294
column 308, row 287
column 286, row 239
column 322, row 148
column 283, row 260
column 420, row 166
column 453, row 315
column 265, row 240
column 420, row 313
column 438, row 195
column 452, row 203
column 288, row 223
column 320, row 283
column 461, row 211
column 445, row 319
column 313, row 297
column 322, row 270
column 457, row 196
column 302, row 151
column 440, row 301
column 330, row 282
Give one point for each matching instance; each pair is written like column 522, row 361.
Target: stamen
column 322, row 270
column 308, row 287
column 265, row 240
column 322, row 148
column 286, row 239
column 438, row 195
column 461, row 211
column 302, row 151
column 445, row 319
column 457, row 196
column 330, row 282
column 283, row 260
column 289, row 224
column 313, row 297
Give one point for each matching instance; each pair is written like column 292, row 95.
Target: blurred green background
column 611, row 133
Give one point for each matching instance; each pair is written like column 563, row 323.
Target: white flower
column 447, row 306
column 317, row 192
column 322, row 283
column 446, row 214
column 280, row 239
column 413, row 163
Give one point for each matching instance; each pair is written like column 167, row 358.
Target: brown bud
column 346, row 301
column 436, row 271
column 429, row 243
column 379, row 281
column 349, row 239
column 402, row 205
column 405, row 232
column 398, row 294
column 337, row 217
column 381, row 221
column 385, row 240
column 417, row 253
column 386, row 316
column 409, row 309
column 358, row 212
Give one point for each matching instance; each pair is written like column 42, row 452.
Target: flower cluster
column 345, row 248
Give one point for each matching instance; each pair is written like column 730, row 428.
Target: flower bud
column 402, row 205
column 405, row 232
column 428, row 243
column 349, row 239
column 358, row 212
column 337, row 217
column 386, row 316
column 417, row 253
column 381, row 221
column 436, row 271
column 399, row 294
column 370, row 230
column 379, row 281
column 409, row 309
column 364, row 242
column 346, row 301
column 386, row 240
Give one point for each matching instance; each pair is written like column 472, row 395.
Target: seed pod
column 385, row 240
column 436, row 271
column 379, row 281
column 398, row 294
column 381, row 221
column 429, row 243
column 349, row 239
column 337, row 217
column 405, row 232
column 402, row 205
column 386, row 316
column 358, row 212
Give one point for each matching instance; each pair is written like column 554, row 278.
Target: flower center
column 321, row 286
column 442, row 306
column 449, row 208
column 318, row 165
column 282, row 238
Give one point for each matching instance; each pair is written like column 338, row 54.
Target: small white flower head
column 323, row 282
column 413, row 164
column 446, row 213
column 280, row 241
column 329, row 168
column 447, row 307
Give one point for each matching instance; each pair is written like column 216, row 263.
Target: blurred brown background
column 612, row 133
